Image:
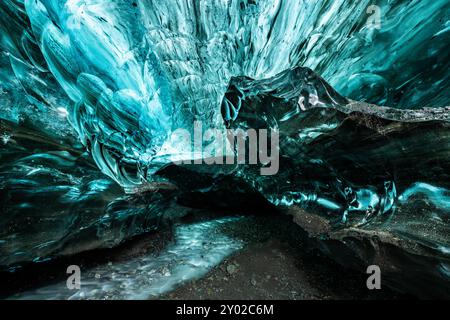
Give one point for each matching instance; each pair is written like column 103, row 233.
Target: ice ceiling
column 90, row 91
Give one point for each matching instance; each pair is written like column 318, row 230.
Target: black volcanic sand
column 275, row 263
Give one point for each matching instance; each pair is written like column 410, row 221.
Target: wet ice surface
column 196, row 249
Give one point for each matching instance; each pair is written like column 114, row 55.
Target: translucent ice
column 137, row 70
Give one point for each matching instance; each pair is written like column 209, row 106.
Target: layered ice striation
column 91, row 92
column 128, row 73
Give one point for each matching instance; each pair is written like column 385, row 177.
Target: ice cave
column 135, row 134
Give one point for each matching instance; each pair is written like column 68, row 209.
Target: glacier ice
column 92, row 90
column 334, row 148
